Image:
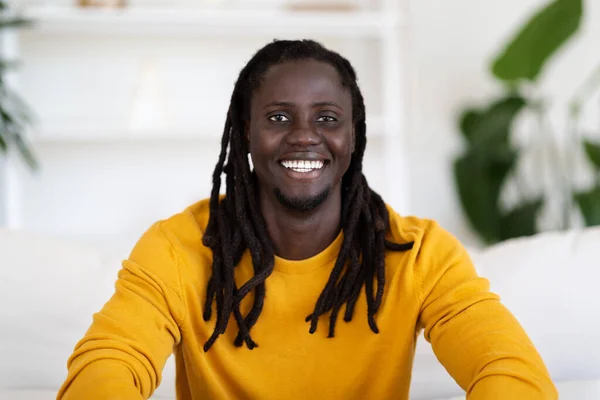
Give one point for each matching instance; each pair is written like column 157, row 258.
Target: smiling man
column 246, row 288
column 301, row 139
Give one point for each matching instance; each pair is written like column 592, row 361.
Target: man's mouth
column 303, row 166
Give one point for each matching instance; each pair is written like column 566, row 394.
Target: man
column 247, row 288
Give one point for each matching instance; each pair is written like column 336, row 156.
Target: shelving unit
column 81, row 74
column 215, row 22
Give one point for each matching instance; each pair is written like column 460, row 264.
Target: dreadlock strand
column 323, row 299
column 211, row 239
column 355, row 292
column 370, row 266
column 252, row 237
column 349, row 277
column 399, row 246
column 351, row 216
column 370, row 300
column 227, row 264
column 244, row 330
column 208, row 238
column 210, row 295
column 219, row 300
column 353, row 273
column 379, row 253
column 238, row 249
column 335, row 307
column 243, row 334
column 379, row 263
column 245, row 187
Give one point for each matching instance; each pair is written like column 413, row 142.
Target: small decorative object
column 149, row 110
column 102, row 3
column 321, row 5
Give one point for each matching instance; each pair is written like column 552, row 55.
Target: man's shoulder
column 411, row 228
column 189, row 224
column 195, row 215
column 402, row 226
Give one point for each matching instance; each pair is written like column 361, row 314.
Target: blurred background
column 482, row 115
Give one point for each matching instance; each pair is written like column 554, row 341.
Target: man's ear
column 247, row 133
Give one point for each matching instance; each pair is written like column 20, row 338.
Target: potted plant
column 491, row 159
column 15, row 115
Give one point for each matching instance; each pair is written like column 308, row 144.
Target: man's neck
column 301, row 235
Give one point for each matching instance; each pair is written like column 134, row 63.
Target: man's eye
column 326, row 118
column 278, row 118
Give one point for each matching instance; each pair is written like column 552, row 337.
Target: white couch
column 49, row 289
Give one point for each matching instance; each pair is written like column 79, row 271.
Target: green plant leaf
column 545, row 32
column 593, row 152
column 468, row 123
column 522, row 220
column 491, row 127
column 479, row 178
column 15, row 22
column 5, row 116
column 589, row 204
column 3, row 145
column 6, row 65
column 478, row 206
column 20, row 109
column 26, row 152
column 4, row 134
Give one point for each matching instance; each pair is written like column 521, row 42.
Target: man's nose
column 303, row 134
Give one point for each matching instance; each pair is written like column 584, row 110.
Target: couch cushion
column 44, row 394
column 49, row 290
column 550, row 282
column 25, row 394
column 572, row 390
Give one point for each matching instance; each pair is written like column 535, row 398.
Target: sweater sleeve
column 479, row 342
column 125, row 349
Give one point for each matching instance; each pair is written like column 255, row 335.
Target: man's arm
column 477, row 340
column 125, row 349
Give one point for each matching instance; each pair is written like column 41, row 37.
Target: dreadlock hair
column 236, row 224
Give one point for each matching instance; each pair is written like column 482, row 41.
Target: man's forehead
column 288, row 81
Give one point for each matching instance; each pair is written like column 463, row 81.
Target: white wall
column 101, row 176
column 452, row 42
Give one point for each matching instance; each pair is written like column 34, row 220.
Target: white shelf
column 376, row 126
column 112, row 135
column 221, row 22
column 113, row 46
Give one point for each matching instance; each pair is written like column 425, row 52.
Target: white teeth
column 302, row 165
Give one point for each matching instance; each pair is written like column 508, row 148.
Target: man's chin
column 302, row 203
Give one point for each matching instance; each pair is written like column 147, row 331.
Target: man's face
column 301, row 135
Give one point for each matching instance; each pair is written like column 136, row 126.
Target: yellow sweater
column 160, row 293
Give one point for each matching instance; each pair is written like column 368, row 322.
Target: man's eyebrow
column 280, row 104
column 292, row 104
column 327, row 103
